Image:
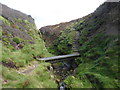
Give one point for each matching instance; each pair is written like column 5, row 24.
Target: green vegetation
column 98, row 64
column 20, row 57
column 39, row 78
column 19, row 20
column 17, row 40
column 0, row 33
column 26, row 21
column 15, row 57
column 6, row 41
column 5, row 20
column 63, row 44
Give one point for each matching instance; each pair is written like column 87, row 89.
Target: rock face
column 17, row 27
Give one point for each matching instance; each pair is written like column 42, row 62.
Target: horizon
column 54, row 12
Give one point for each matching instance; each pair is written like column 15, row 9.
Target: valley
column 94, row 37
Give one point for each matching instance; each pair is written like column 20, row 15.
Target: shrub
column 26, row 21
column 19, row 20
column 6, row 41
column 17, row 40
column 5, row 20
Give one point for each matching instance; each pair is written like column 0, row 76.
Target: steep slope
column 52, row 32
column 99, row 49
column 98, row 46
column 21, row 44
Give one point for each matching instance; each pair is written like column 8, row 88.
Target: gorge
column 95, row 37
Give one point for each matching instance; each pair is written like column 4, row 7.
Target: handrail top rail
column 59, row 57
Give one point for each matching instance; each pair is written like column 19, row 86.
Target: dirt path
column 76, row 42
column 28, row 69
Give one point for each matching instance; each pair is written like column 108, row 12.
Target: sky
column 50, row 12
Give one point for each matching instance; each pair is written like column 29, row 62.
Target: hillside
column 21, row 44
column 52, row 32
column 95, row 37
column 98, row 46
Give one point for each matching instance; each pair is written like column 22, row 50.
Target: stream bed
column 62, row 70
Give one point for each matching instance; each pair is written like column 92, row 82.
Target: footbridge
column 59, row 58
column 75, row 49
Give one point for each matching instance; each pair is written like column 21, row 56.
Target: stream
column 62, row 70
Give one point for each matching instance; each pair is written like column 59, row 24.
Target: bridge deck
column 60, row 57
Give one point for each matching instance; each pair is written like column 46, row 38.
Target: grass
column 15, row 59
column 98, row 64
column 63, row 44
column 40, row 78
column 20, row 57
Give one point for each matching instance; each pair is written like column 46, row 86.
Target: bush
column 19, row 20
column 5, row 20
column 17, row 40
column 26, row 21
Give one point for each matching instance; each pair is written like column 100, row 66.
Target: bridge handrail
column 59, row 57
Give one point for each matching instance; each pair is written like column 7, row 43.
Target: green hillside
column 21, row 45
column 98, row 47
column 95, row 35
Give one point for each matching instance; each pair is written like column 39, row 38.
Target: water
column 62, row 86
column 62, row 70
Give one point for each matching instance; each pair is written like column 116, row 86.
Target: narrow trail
column 28, row 69
column 76, row 42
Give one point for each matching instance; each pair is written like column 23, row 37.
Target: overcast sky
column 50, row 12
